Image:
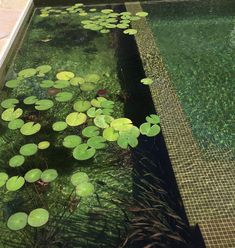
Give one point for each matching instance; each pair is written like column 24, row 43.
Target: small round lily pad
column 81, row 106
column 61, row 84
column 30, row 100
column 85, row 189
column 17, row 221
column 15, row 124
column 103, row 121
column 49, row 175
column 64, row 96
column 42, row 69
column 28, row 149
column 11, row 114
column 65, row 75
column 44, row 104
column 12, row 83
column 110, row 134
column 76, row 119
column 47, row 84
column 9, row 103
column 97, row 142
column 153, row 119
column 16, row 161
column 88, row 87
column 3, row 178
column 38, row 217
column 142, row 14
column 43, row 145
column 130, row 31
column 78, row 178
column 90, row 131
column 33, row 175
column 77, row 80
column 30, row 128
column 83, row 152
column 149, row 130
column 146, row 81
column 59, row 126
column 29, row 72
column 14, row 183
column 71, row 141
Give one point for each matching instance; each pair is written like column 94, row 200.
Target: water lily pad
column 65, row 75
column 90, row 131
column 122, row 124
column 33, row 175
column 28, row 149
column 83, row 152
column 97, row 102
column 110, row 134
column 38, row 217
column 107, row 111
column 71, row 141
column 146, row 81
column 3, row 178
column 77, row 80
column 104, row 31
column 107, row 104
column 15, row 124
column 103, row 121
column 148, row 130
column 88, row 87
column 30, row 100
column 78, row 178
column 43, row 145
column 17, row 221
column 30, row 128
column 61, row 84
column 76, row 119
column 44, row 104
column 97, row 142
column 85, row 189
column 16, row 161
column 64, row 96
column 13, row 83
column 26, row 73
column 92, row 78
column 93, row 112
column 130, row 31
column 126, row 139
column 47, row 84
column 59, row 126
column 14, row 183
column 43, row 69
column 122, row 26
column 153, row 119
column 9, row 103
column 81, row 106
column 49, row 175
column 142, row 14
column 135, row 18
column 11, row 114
column 106, row 11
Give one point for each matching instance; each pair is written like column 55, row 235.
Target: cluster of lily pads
column 102, row 21
column 93, row 120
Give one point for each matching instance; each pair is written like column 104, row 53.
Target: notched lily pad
column 9, row 103
column 30, row 100
column 97, row 142
column 44, row 104
column 30, row 128
column 71, row 141
column 78, row 178
column 16, row 161
column 83, row 152
column 64, row 96
column 90, row 131
column 65, row 75
column 15, row 124
column 49, row 175
column 3, row 178
column 17, row 221
column 38, row 217
column 33, row 175
column 11, row 114
column 26, row 73
column 149, row 130
column 15, row 183
column 28, row 149
column 76, row 119
column 81, row 106
column 59, row 126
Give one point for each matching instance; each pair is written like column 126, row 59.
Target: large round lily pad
column 3, row 178
column 90, row 131
column 30, row 128
column 28, row 149
column 15, row 124
column 33, row 175
column 85, row 189
column 81, row 106
column 14, row 183
column 16, row 161
column 65, row 75
column 83, row 152
column 17, row 221
column 59, row 126
column 79, row 177
column 44, row 104
column 76, row 119
column 121, row 124
column 13, row 83
column 29, row 72
column 72, row 141
column 38, row 217
column 11, row 114
column 9, row 103
column 49, row 175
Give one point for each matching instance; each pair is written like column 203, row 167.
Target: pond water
column 196, row 42
column 57, row 110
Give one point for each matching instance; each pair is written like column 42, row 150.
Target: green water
column 62, row 43
column 197, row 43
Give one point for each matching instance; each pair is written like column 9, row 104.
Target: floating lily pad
column 65, row 75
column 142, row 14
column 16, row 161
column 12, row 83
column 90, row 131
column 148, row 130
column 122, row 124
column 38, row 217
column 44, row 104
column 130, row 31
column 43, row 69
column 88, row 87
column 77, row 80
column 17, row 221
column 107, row 104
column 3, row 178
column 106, row 11
column 59, row 126
column 81, row 106
column 93, row 112
column 47, row 84
column 64, row 96
column 30, row 128
column 61, row 84
column 110, row 134
column 76, row 119
column 30, row 100
column 83, row 152
column 15, row 124
column 14, row 183
column 135, row 18
column 11, row 114
column 97, row 102
column 49, row 175
column 33, row 175
column 85, row 189
column 78, row 178
column 153, row 119
column 9, row 103
column 125, row 140
column 104, row 31
column 43, row 145
column 122, row 26
column 107, row 111
column 28, row 149
column 96, row 142
column 26, row 73
column 103, row 121
column 146, row 81
column 71, row 141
